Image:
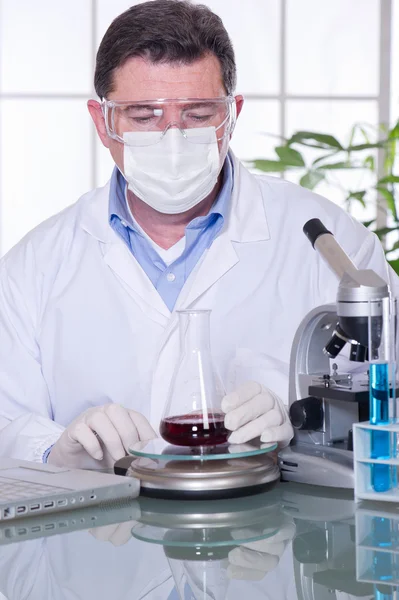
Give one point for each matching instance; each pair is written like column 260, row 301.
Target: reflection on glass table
column 209, row 543
column 324, row 545
column 377, row 548
column 68, row 521
column 294, row 542
column 246, row 539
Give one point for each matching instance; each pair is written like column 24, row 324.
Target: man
column 88, row 300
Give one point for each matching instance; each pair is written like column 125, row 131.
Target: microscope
column 324, row 404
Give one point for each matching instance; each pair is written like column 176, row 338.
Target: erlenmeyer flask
column 193, row 415
column 203, row 577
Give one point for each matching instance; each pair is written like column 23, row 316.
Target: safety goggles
column 155, row 117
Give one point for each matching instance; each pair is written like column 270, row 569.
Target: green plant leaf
column 325, row 157
column 390, row 199
column 394, row 133
column 395, row 265
column 289, row 156
column 389, row 179
column 359, row 196
column 340, row 165
column 269, row 166
column 380, row 233
column 369, row 162
column 390, row 157
column 323, row 140
column 311, row 179
column 368, row 223
column 359, row 147
column 364, row 133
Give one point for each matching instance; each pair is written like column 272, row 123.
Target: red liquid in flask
column 189, row 430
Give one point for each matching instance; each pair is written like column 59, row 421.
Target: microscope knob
column 307, row 414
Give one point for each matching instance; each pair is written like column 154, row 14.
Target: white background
column 302, row 64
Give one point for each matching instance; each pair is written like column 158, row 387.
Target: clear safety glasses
column 154, row 117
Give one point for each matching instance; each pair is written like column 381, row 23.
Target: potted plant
column 330, row 157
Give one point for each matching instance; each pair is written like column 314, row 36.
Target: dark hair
column 164, row 31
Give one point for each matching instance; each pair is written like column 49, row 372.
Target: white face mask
column 171, row 175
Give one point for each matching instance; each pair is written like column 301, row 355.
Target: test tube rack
column 377, row 545
column 363, row 463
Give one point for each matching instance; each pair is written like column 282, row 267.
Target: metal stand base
column 317, row 465
column 227, row 478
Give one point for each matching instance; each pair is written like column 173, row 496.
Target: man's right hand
column 99, row 437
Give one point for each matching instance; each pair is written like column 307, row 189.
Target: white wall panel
column 45, row 162
column 254, row 28
column 333, row 47
column 256, row 125
column 45, row 46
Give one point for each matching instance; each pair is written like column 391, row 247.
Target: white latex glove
column 254, row 560
column 253, row 411
column 99, row 437
column 118, row 534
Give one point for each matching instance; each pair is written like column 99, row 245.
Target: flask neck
column 194, row 330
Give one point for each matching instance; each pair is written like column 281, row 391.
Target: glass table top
column 290, row 542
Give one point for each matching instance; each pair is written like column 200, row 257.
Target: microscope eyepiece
column 313, row 229
column 326, row 245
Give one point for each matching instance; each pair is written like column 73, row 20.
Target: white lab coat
column 82, row 325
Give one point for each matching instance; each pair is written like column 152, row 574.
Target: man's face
column 139, row 79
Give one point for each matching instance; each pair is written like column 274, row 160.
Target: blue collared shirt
column 199, row 235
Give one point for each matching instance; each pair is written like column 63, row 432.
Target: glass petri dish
column 205, row 538
column 161, row 450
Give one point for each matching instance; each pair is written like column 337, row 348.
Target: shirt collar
column 118, row 207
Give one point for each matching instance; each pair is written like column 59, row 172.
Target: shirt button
column 123, row 223
column 170, row 277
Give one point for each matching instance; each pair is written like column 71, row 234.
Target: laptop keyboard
column 16, row 490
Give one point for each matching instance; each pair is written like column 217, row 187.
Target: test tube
column 383, row 532
column 385, row 563
column 382, row 388
column 384, row 592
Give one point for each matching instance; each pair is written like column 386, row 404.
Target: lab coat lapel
column 118, row 257
column 217, row 261
column 246, row 222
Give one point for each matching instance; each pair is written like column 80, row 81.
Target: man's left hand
column 253, row 411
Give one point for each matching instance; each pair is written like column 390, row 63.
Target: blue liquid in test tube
column 382, row 531
column 383, row 592
column 379, row 415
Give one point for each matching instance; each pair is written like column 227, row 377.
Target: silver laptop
column 28, row 488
